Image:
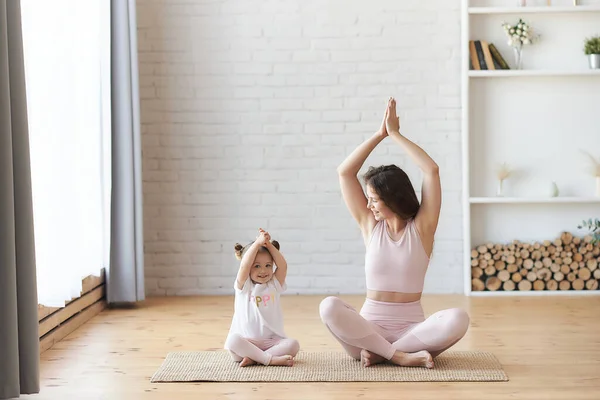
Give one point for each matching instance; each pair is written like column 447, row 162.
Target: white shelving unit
column 507, row 73
column 534, row 9
column 535, row 119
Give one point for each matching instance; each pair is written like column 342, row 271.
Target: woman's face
column 379, row 209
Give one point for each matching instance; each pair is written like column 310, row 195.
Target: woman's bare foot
column 367, row 358
column 284, row 361
column 247, row 362
column 418, row 359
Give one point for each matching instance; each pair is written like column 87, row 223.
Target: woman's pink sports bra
column 392, row 266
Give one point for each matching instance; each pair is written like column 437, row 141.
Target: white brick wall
column 248, row 107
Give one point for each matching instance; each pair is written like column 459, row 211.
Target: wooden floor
column 549, row 347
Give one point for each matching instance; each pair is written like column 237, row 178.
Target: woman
column 398, row 233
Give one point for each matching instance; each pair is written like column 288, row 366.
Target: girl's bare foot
column 246, row 362
column 284, row 361
column 418, row 359
column 367, row 358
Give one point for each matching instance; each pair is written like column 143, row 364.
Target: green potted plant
column 593, row 227
column 592, row 50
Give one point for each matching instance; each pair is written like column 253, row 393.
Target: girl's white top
column 257, row 310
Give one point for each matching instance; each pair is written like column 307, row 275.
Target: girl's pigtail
column 239, row 249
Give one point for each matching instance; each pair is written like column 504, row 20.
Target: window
column 67, row 70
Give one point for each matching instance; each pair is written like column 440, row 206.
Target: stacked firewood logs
column 567, row 263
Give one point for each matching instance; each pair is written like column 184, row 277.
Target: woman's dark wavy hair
column 394, row 187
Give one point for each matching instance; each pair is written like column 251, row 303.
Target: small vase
column 554, row 190
column 518, row 50
column 499, row 192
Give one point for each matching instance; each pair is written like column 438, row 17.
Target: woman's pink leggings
column 261, row 351
column 383, row 328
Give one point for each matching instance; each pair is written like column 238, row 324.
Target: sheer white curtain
column 67, row 69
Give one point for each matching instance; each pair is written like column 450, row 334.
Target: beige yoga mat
column 217, row 366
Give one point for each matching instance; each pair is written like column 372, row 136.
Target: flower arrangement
column 594, row 170
column 594, row 167
column 519, row 35
column 502, row 173
column 592, row 46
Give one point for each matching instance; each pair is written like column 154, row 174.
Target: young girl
column 256, row 334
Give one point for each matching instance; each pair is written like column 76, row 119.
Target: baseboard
column 56, row 323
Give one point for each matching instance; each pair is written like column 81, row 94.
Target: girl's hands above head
column 263, row 237
column 267, row 238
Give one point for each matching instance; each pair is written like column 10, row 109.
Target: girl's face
column 376, row 205
column 262, row 269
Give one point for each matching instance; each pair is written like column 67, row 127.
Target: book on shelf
column 485, row 56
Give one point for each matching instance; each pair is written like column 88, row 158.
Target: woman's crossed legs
column 364, row 340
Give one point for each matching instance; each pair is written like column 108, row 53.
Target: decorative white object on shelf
column 522, row 3
column 592, row 50
column 594, row 170
column 554, row 190
column 502, row 174
column 519, row 35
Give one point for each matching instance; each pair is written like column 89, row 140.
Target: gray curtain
column 125, row 278
column 19, row 343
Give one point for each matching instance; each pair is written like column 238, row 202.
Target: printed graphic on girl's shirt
column 263, row 301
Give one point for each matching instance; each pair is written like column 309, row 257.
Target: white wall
column 248, row 107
